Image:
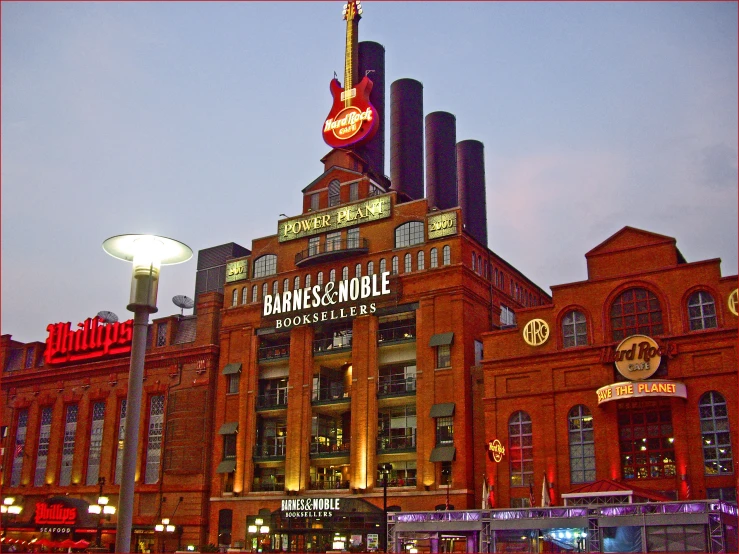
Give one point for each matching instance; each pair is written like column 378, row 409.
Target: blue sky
column 202, row 121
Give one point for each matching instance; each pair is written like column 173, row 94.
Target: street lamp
column 447, row 472
column 148, row 253
column 385, row 470
column 8, row 507
column 258, row 528
column 101, row 507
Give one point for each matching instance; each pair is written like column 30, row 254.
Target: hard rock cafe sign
column 496, row 451
column 92, row 339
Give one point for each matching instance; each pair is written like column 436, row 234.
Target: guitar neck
column 351, row 57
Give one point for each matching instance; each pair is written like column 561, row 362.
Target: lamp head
column 148, row 253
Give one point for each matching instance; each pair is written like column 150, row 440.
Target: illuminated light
column 252, row 528
column 165, row 521
column 671, row 440
column 159, row 527
column 8, row 500
column 15, row 510
column 259, row 521
column 170, row 528
column 108, row 509
column 642, row 448
column 264, row 529
column 191, row 548
column 94, row 509
column 568, row 534
column 103, row 500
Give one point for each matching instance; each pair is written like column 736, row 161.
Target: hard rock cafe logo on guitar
column 352, row 118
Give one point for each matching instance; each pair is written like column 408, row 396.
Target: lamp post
column 148, row 253
column 385, row 470
column 258, row 528
column 447, row 472
column 8, row 508
column 101, row 507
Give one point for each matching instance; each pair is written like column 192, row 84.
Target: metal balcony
column 330, row 250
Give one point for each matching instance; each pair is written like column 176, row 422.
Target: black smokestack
column 406, row 138
column 471, row 188
column 372, row 64
column 441, row 160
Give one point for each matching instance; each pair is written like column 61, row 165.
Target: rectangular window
column 352, row 238
column 20, row 446
column 96, row 443
column 229, row 447
column 444, row 430
column 353, row 192
column 314, row 198
column 70, row 433
column 646, row 440
column 119, row 448
column 154, row 445
column 333, row 241
column 43, row 447
column 443, row 356
column 162, row 327
column 314, row 246
column 233, row 383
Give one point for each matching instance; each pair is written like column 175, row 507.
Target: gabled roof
column 608, row 486
column 627, row 238
column 332, row 169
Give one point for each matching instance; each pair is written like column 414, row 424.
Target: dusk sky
column 201, row 121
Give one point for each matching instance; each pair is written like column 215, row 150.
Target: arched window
column 394, row 270
column 715, row 435
column 307, row 281
column 370, row 268
column 636, row 311
column 358, row 270
column 434, row 257
column 344, row 273
column 264, row 291
column 495, row 276
column 254, row 293
column 520, row 447
column 474, row 261
column 235, row 297
column 286, row 284
column 409, row 234
column 383, row 266
column 296, row 283
column 244, row 295
column 275, row 288
column 265, row 265
column 582, row 445
column 408, row 263
column 446, row 254
column 319, row 278
column 421, row 260
column 701, row 311
column 574, row 329
column 334, row 193
column 332, row 275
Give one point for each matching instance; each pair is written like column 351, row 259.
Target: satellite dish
column 108, row 317
column 183, row 302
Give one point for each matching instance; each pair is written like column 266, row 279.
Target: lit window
column 408, row 263
column 646, row 439
column 701, row 311
column 582, row 445
column 314, row 246
column 474, row 261
column 715, row 435
column 334, row 193
column 421, row 260
column 434, row 257
column 574, row 329
column 520, row 449
column 409, row 234
column 444, row 430
column 96, row 443
column 636, row 311
column 20, row 446
column 70, row 434
column 443, row 356
column 154, row 443
column 265, row 265
column 446, row 254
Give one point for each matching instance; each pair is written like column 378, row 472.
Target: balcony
column 273, row 400
column 272, row 449
column 397, row 443
column 330, row 393
column 328, row 484
column 398, row 333
column 396, row 385
column 324, row 447
column 337, row 343
column 330, row 250
column 267, row 485
column 271, row 352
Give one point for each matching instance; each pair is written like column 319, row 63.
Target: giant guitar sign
column 352, row 118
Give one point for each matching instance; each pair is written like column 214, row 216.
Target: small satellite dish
column 108, row 317
column 183, row 302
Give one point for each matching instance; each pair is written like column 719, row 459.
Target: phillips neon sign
column 93, row 339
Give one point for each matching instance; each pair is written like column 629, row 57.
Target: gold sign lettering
column 496, row 450
column 236, row 271
column 442, row 225
column 621, row 391
column 536, row 332
column 638, row 357
column 733, row 301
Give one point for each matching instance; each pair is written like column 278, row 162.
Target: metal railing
column 270, row 449
column 331, row 246
column 396, row 385
column 272, row 400
column 328, row 484
column 329, row 446
column 267, row 485
column 400, row 333
column 331, row 392
column 273, row 352
column 402, row 442
column 332, row 344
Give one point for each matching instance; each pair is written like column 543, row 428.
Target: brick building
column 64, row 407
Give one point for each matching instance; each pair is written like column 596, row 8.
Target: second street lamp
column 101, row 508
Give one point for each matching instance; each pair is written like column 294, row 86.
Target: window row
column 257, row 293
column 638, row 311
column 93, row 451
column 518, row 292
column 646, row 441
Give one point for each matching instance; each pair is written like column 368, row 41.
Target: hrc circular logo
column 733, row 301
column 536, row 332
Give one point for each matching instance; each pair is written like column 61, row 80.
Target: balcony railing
column 399, row 333
column 273, row 352
column 400, row 482
column 398, row 442
column 328, row 484
column 332, row 344
column 331, row 249
column 267, row 485
column 396, row 385
column 270, row 449
column 273, row 400
column 329, row 447
column 331, row 392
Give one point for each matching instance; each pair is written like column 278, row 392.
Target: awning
column 226, row 466
column 229, row 428
column 442, row 410
column 231, row 368
column 443, row 454
column 441, row 339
